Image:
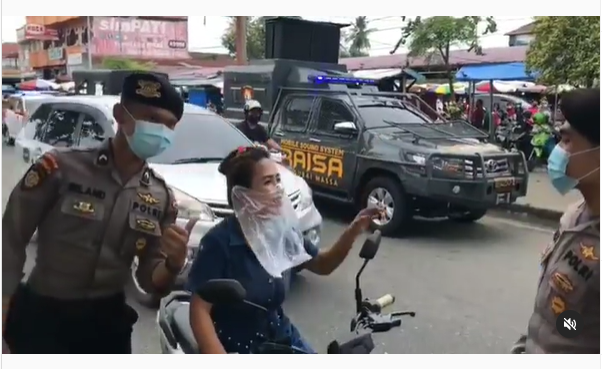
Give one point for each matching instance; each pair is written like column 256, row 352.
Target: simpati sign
column 143, row 38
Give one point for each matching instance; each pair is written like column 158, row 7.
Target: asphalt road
column 472, row 286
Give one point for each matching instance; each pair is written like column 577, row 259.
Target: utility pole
column 89, row 37
column 241, row 40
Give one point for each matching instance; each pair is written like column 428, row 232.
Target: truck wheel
column 469, row 216
column 388, row 193
column 147, row 300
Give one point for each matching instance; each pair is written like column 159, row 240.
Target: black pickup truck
column 354, row 144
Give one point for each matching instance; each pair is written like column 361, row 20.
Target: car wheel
column 468, row 216
column 387, row 193
column 134, row 289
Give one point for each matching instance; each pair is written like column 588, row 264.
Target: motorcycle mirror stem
column 358, row 290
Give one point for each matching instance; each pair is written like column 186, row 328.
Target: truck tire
column 147, row 300
column 468, row 217
column 393, row 191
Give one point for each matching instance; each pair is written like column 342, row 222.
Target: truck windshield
column 201, row 138
column 383, row 115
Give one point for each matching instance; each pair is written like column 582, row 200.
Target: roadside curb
column 529, row 210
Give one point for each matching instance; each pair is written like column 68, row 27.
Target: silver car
column 202, row 139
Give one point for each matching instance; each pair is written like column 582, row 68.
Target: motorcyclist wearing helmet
column 251, row 128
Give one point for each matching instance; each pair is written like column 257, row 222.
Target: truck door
column 334, row 152
column 290, row 127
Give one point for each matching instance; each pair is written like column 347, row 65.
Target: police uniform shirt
column 257, row 134
column 570, row 280
column 90, row 225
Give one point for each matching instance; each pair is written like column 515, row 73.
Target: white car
column 15, row 118
column 202, row 139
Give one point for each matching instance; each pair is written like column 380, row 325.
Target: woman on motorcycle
column 257, row 246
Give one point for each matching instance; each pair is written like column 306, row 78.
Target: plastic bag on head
column 271, row 228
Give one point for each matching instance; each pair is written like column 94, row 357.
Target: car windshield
column 201, row 138
column 382, row 115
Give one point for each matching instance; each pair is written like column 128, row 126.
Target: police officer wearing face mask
column 250, row 126
column 570, row 278
column 94, row 211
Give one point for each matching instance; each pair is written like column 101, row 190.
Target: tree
column 359, row 37
column 566, row 50
column 125, row 64
column 434, row 37
column 255, row 37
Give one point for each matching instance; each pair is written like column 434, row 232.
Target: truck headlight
column 306, row 194
column 189, row 207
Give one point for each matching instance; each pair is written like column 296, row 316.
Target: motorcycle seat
column 180, row 324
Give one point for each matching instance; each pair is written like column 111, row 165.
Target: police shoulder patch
column 39, row 171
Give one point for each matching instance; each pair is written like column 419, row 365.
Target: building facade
column 59, row 45
column 522, row 36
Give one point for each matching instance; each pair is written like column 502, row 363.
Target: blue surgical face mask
column 557, row 166
column 149, row 139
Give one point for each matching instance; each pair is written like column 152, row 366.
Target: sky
column 204, row 34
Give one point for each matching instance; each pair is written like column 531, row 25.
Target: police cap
column 154, row 90
column 581, row 108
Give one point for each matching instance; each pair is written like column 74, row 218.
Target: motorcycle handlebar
column 385, row 301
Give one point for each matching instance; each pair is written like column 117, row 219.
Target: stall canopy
column 379, row 74
column 499, row 72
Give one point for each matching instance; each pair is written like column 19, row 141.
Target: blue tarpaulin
column 498, row 72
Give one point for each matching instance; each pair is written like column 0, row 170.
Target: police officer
column 570, row 278
column 251, row 128
column 94, row 211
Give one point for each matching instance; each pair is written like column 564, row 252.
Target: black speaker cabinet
column 298, row 39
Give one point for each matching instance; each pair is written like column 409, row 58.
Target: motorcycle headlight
column 307, row 199
column 189, row 207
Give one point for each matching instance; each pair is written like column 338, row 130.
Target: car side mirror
column 371, row 245
column 345, row 127
column 222, row 292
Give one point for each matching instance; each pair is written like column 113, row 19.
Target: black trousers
column 42, row 325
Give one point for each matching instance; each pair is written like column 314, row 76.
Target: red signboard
column 133, row 37
column 36, row 32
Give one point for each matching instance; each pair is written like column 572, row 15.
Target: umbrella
column 38, row 84
column 459, row 88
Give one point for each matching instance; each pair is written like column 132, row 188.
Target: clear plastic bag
column 271, row 228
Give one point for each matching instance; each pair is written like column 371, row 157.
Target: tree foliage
column 434, row 37
column 125, row 64
column 358, row 38
column 255, row 37
column 566, row 50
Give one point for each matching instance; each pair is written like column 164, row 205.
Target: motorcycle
column 176, row 337
column 543, row 141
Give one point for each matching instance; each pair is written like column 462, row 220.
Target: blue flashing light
column 342, row 80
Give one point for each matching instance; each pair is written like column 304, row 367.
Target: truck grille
column 493, row 168
column 223, row 210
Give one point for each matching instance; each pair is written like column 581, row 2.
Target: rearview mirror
column 371, row 245
column 222, row 291
column 345, row 127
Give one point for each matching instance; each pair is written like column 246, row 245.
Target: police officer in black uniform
column 94, row 211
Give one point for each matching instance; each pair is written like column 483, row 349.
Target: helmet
column 540, row 118
column 252, row 104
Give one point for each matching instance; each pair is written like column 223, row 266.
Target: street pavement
column 471, row 286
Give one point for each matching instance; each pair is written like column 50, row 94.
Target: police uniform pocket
column 142, row 231
column 83, row 208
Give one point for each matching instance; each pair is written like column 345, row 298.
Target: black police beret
column 581, row 108
column 152, row 89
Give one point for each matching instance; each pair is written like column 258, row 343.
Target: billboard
column 36, row 32
column 140, row 38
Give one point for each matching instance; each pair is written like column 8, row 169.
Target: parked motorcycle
column 176, row 337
